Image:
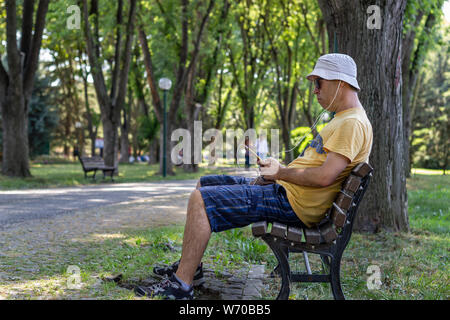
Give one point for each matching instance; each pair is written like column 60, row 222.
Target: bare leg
column 197, row 232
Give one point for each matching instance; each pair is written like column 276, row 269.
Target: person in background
column 75, row 153
column 261, row 145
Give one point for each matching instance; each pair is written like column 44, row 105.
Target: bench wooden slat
column 338, row 216
column 343, row 200
column 259, row 228
column 362, row 169
column 328, row 232
column 279, row 230
column 294, row 234
column 352, row 183
column 312, row 236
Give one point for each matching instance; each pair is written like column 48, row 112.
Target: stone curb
column 244, row 285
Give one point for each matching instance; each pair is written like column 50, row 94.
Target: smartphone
column 249, row 149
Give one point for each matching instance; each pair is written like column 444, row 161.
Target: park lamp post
column 165, row 84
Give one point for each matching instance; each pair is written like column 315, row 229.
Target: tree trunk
column 411, row 65
column 15, row 135
column 16, row 84
column 111, row 105
column 124, row 141
column 153, row 151
column 15, row 127
column 407, row 83
column 169, row 164
column 183, row 69
column 286, row 135
column 222, row 105
column 192, row 166
column 190, row 118
column 377, row 54
column 92, row 132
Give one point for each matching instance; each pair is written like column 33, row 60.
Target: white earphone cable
column 315, row 123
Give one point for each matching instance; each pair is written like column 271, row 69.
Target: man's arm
column 322, row 176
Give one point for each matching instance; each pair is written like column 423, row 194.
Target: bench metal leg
column 307, row 266
column 111, row 173
column 276, row 272
column 335, row 268
column 283, row 264
column 92, row 176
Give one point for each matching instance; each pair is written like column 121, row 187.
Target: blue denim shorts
column 231, row 202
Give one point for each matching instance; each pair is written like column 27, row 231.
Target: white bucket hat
column 336, row 66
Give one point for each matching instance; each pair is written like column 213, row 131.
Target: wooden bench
column 328, row 239
column 90, row 164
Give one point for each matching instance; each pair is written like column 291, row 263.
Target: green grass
column 71, row 174
column 429, row 203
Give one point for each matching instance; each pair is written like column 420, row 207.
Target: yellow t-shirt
column 349, row 133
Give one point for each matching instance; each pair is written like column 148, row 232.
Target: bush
column 42, row 117
column 298, row 133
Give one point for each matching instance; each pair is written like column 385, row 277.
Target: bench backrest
column 340, row 217
column 92, row 162
column 364, row 174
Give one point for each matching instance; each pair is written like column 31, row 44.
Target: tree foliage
column 243, row 62
column 42, row 117
column 431, row 109
column 420, row 34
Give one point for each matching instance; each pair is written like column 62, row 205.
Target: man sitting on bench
column 299, row 194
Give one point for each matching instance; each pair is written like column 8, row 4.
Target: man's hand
column 270, row 168
column 260, row 181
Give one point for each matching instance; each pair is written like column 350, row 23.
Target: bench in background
column 92, row 164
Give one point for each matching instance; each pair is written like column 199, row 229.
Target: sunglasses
column 317, row 83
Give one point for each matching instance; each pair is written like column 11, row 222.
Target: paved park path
column 22, row 205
